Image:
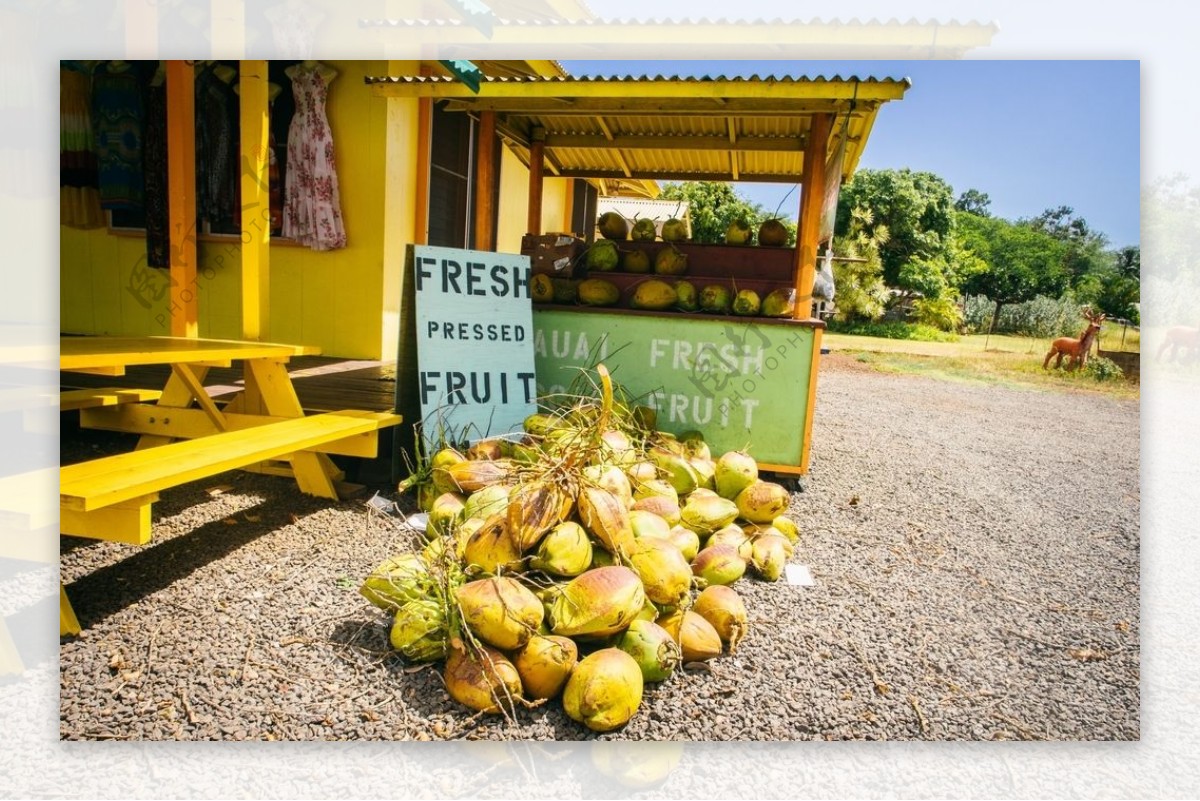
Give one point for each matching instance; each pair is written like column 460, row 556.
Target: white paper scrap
column 799, row 575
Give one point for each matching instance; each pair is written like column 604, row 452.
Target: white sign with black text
column 474, row 342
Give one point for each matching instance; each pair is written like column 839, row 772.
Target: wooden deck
column 323, row 384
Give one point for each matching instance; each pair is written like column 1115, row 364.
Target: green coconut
column 732, row 535
column 604, row 690
column 439, row 468
column 652, row 647
column 601, row 558
column 565, row 551
column 787, row 527
column 705, row 515
column 644, row 230
column 419, row 631
column 611, row 478
column 670, row 261
column 647, row 524
column 674, row 230
column 635, row 261
column 780, row 303
column 599, row 602
column 763, row 501
column 715, row 299
column 500, row 611
column 769, row 555
column 565, row 290
column 738, row 232
column 397, row 581
column 772, row 233
column 718, row 564
column 486, row 502
column 735, row 471
column 612, row 225
column 653, row 294
column 685, row 296
column 602, row 256
column 747, row 303
column 598, row 292
column 675, row 470
column 654, row 488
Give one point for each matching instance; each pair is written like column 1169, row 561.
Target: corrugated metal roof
column 643, row 127
column 721, row 22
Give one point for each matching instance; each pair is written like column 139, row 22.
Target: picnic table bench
column 263, row 428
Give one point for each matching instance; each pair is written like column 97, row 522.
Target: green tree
column 713, row 205
column 861, row 294
column 918, row 210
column 1017, row 262
column 974, row 202
column 1085, row 248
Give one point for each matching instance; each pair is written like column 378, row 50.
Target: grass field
column 1009, row 361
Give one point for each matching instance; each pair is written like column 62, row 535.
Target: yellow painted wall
column 514, row 203
column 329, row 299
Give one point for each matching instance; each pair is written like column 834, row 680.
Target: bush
column 892, row 330
column 1041, row 317
column 977, row 314
column 941, row 313
column 1102, row 369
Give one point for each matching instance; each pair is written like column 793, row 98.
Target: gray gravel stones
column 975, row 550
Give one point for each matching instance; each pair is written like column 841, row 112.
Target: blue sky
column 1031, row 134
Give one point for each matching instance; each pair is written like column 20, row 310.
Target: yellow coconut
column 639, row 472
column 654, row 488
column 601, row 601
column 706, row 471
column 491, row 547
column 686, row 540
column 769, row 555
column 698, row 640
column 471, row 476
column 607, row 517
column 604, row 690
column 652, row 647
column 440, row 466
column 611, row 478
column 484, row 680
column 718, row 564
column 665, row 508
column 485, row 449
column 565, row 551
column 500, row 611
column 666, row 576
column 787, row 527
column 533, row 509
column 544, row 663
column 733, row 535
column 722, row 607
column 763, row 501
column 675, row 469
column 447, row 509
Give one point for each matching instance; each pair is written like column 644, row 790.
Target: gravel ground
column 975, row 550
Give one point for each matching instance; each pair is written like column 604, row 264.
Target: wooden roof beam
column 662, row 175
column 777, row 144
column 731, row 127
column 608, row 142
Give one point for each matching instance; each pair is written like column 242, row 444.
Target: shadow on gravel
column 107, row 590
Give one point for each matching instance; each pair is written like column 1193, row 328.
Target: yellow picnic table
column 185, row 436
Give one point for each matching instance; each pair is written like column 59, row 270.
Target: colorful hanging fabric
column 312, row 212
column 154, row 153
column 117, row 119
column 216, row 151
column 78, row 179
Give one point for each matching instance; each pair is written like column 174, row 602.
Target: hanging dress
column 312, row 213
column 79, row 190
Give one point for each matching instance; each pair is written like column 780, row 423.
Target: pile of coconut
column 592, row 556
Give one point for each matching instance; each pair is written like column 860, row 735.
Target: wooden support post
column 537, row 163
column 256, row 199
column 812, row 187
column 424, row 160
column 183, row 307
column 485, row 183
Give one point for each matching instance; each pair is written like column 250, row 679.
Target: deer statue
column 1180, row 337
column 1075, row 348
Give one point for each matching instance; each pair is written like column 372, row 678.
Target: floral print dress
column 312, row 213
